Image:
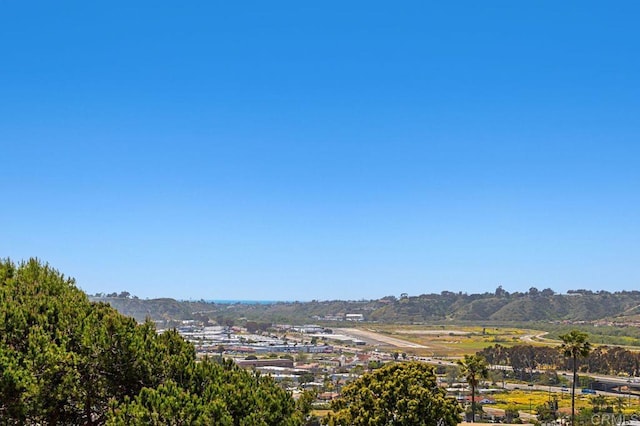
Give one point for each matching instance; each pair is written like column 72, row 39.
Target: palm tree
column 473, row 368
column 574, row 346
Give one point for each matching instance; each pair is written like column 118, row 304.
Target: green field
column 454, row 341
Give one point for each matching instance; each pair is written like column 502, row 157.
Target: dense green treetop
column 398, row 393
column 65, row 360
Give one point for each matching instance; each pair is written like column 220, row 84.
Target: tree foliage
column 68, row 361
column 609, row 360
column 473, row 368
column 574, row 346
column 398, row 394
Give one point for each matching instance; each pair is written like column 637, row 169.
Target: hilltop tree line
column 68, row 361
column 498, row 306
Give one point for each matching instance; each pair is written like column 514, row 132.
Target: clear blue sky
column 322, row 150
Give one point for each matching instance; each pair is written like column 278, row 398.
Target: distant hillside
column 534, row 305
column 164, row 309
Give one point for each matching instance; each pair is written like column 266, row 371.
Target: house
column 354, row 317
column 257, row 363
column 480, row 399
column 327, row 396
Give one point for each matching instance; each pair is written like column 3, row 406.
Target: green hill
column 534, row 305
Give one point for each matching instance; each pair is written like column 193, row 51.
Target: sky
column 322, row 150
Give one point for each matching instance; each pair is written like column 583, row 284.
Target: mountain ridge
column 534, row 305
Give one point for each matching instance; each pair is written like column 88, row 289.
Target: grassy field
column 456, row 341
column 526, row 400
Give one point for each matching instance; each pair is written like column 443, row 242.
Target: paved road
column 372, row 336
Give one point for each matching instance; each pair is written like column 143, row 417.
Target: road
column 536, row 338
